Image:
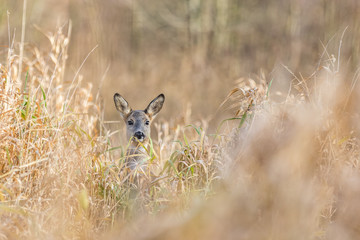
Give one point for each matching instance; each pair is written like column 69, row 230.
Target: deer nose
column 139, row 135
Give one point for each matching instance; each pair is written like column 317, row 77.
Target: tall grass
column 61, row 177
column 284, row 166
column 48, row 132
column 281, row 169
column 163, row 44
column 287, row 169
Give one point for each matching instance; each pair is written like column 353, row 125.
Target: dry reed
column 285, row 169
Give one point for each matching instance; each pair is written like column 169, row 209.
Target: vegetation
column 278, row 159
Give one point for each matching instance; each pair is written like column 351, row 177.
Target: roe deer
column 137, row 127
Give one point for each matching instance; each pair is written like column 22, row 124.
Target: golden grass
column 285, row 169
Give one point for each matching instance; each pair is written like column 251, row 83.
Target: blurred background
column 193, row 51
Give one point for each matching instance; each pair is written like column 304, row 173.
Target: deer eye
column 131, row 122
column 147, row 122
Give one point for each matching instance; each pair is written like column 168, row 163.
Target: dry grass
column 179, row 47
column 57, row 165
column 285, row 166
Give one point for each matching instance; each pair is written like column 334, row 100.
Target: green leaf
column 26, row 79
column 44, row 96
column 113, row 148
column 243, row 118
column 83, row 199
column 268, row 89
column 225, row 120
column 186, row 140
column 196, row 129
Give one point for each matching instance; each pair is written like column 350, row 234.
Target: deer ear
column 155, row 106
column 122, row 105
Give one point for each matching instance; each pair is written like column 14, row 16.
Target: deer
column 138, row 124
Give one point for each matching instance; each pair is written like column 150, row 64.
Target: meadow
column 258, row 138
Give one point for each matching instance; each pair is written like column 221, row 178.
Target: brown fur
column 138, row 126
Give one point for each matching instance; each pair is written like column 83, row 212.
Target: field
column 258, row 137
